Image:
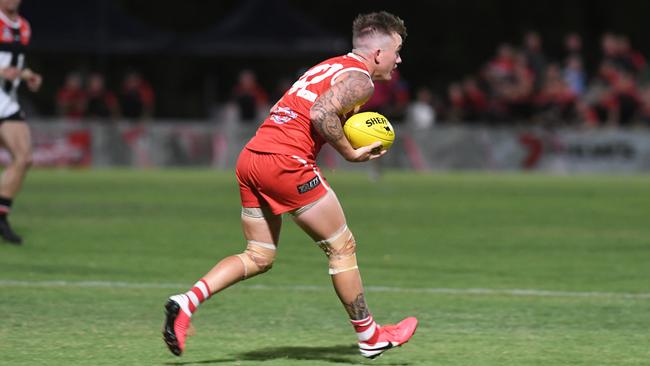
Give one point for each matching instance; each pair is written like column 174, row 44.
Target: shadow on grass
column 203, row 362
column 348, row 354
column 338, row 354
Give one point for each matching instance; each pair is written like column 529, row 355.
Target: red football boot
column 177, row 323
column 390, row 336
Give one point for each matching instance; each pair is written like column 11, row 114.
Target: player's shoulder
column 347, row 60
column 352, row 68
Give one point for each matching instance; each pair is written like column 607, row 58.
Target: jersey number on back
column 311, row 77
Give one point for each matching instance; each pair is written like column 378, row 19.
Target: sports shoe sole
column 169, row 335
column 8, row 235
column 370, row 353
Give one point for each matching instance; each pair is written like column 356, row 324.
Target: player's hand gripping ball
column 365, row 128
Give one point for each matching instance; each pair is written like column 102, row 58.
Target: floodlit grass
column 105, row 248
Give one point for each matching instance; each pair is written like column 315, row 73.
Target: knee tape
column 257, row 258
column 341, row 251
column 252, row 212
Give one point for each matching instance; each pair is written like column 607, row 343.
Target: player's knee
column 262, row 262
column 341, row 251
column 257, row 258
column 24, row 160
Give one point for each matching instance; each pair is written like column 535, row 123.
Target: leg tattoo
column 357, row 309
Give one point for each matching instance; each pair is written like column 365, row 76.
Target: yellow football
column 365, row 128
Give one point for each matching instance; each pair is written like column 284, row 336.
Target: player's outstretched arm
column 351, row 89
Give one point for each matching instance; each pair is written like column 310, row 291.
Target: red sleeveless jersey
column 288, row 130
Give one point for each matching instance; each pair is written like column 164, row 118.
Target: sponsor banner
column 510, row 149
column 211, row 144
column 58, row 145
column 155, row 145
column 594, row 151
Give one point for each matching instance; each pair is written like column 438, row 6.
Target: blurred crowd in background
column 87, row 97
column 523, row 85
column 519, row 84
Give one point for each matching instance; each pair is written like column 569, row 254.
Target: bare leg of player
column 348, row 285
column 325, row 223
column 262, row 232
column 16, row 137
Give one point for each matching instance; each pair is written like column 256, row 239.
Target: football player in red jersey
column 15, row 136
column 277, row 173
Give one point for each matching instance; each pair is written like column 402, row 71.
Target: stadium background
column 447, row 39
column 507, row 268
column 191, row 54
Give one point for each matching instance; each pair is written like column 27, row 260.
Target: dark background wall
column 447, row 39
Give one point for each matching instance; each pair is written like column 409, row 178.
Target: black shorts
column 18, row 116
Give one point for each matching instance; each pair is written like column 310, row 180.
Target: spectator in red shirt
column 600, row 103
column 517, row 92
column 502, row 66
column 608, row 73
column 249, row 97
column 555, row 102
column 617, row 51
column 475, row 103
column 631, row 58
column 535, row 56
column 626, row 99
column 137, row 100
column 102, row 103
column 71, row 98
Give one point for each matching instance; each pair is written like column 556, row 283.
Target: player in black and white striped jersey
column 15, row 135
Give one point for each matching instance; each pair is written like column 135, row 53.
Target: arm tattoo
column 326, row 120
column 357, row 309
column 353, row 89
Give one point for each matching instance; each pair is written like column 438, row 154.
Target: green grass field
column 507, row 270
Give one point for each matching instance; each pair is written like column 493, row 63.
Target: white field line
column 429, row 290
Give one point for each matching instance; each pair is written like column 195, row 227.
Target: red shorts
column 281, row 182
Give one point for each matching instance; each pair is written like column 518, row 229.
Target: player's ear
column 376, row 54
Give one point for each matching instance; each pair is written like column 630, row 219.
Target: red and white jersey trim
column 356, row 57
